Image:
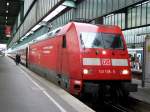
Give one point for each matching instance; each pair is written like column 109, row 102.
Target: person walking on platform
column 17, row 59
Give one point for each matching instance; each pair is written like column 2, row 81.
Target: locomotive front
column 104, row 56
column 105, row 62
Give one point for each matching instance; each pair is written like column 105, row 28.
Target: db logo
column 106, row 62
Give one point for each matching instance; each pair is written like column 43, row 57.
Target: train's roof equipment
column 79, row 26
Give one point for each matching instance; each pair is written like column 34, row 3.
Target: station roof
column 9, row 10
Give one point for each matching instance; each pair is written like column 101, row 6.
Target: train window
column 91, row 40
column 101, row 40
column 82, row 42
column 64, row 43
column 113, row 41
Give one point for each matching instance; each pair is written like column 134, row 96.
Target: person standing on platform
column 17, row 59
column 137, row 64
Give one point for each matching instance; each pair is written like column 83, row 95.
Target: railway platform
column 143, row 92
column 24, row 91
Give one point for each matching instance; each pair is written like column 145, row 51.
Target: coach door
column 62, row 59
column 63, row 55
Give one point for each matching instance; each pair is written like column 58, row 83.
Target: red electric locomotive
column 84, row 58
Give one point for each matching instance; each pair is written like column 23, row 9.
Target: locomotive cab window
column 64, row 43
column 91, row 40
column 112, row 41
column 101, row 40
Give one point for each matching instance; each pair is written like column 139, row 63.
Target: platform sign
column 8, row 31
column 147, row 60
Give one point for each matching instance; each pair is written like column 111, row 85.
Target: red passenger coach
column 84, row 58
column 22, row 51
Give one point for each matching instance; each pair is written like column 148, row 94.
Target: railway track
column 107, row 106
column 117, row 107
column 138, row 106
column 132, row 105
column 120, row 108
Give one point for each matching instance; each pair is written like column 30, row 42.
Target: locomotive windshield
column 101, row 40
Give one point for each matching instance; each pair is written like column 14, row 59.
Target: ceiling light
column 54, row 13
column 36, row 27
column 6, row 21
column 6, row 17
column 27, row 34
column 6, row 11
column 67, row 3
column 7, row 3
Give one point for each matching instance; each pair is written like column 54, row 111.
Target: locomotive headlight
column 125, row 72
column 85, row 71
column 103, row 52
